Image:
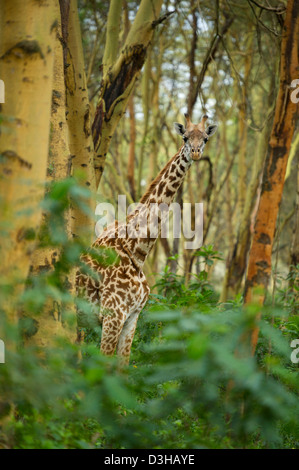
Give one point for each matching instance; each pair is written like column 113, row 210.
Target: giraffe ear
column 211, row 129
column 179, row 128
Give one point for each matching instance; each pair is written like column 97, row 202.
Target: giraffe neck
column 162, row 191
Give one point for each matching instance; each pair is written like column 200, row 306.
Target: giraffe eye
column 205, row 140
column 185, row 138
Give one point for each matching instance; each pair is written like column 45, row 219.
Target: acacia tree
column 78, row 117
column 286, row 111
column 121, row 73
column 26, row 66
column 51, row 324
column 237, row 257
column 294, row 255
column 71, row 146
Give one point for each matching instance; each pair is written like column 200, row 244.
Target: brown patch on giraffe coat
column 160, row 189
column 140, row 253
column 176, row 185
column 123, row 285
column 169, row 193
column 158, row 178
column 178, row 174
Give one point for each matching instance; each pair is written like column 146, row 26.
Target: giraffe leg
column 112, row 325
column 126, row 338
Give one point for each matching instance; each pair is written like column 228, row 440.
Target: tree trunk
column 243, row 130
column 117, row 85
column 131, row 160
column 50, row 321
column 259, row 266
column 59, row 155
column 237, row 258
column 78, row 121
column 27, row 39
column 228, row 195
column 156, row 127
column 145, row 109
column 294, row 255
column 27, row 35
column 112, row 35
column 294, row 150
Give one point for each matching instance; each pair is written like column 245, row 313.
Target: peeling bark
column 26, row 67
column 275, row 166
column 119, row 80
column 51, row 324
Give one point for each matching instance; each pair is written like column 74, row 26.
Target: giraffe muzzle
column 196, row 156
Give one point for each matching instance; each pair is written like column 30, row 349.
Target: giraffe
column 120, row 291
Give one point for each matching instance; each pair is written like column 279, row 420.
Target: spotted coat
column 120, row 290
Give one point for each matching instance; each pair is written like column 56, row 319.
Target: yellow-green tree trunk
column 51, row 324
column 27, row 36
column 120, row 77
column 79, row 126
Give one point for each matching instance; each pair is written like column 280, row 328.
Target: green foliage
column 198, row 292
column 289, row 296
column 192, row 382
column 177, row 393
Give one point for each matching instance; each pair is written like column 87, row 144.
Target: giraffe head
column 195, row 136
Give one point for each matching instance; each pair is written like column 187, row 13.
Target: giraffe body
column 118, row 297
column 120, row 292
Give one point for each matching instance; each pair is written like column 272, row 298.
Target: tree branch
column 162, row 18
column 209, row 57
column 278, row 10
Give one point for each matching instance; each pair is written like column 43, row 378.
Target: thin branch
column 209, row 57
column 260, row 21
column 162, row 18
column 211, row 183
column 278, row 10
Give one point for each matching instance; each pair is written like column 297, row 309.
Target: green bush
column 191, row 383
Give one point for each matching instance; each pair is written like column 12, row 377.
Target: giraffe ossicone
column 118, row 292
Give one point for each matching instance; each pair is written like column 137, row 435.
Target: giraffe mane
column 157, row 179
